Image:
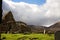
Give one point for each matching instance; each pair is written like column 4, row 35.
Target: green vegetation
column 27, row 37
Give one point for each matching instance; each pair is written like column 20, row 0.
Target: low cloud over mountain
column 46, row 14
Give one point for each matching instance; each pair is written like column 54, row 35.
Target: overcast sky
column 36, row 12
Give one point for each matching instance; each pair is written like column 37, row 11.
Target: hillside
column 55, row 27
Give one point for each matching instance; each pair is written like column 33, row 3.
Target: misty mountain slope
column 37, row 29
column 55, row 27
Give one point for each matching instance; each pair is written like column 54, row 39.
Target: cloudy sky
column 33, row 12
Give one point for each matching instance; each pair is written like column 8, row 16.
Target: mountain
column 55, row 27
column 5, row 25
column 37, row 29
column 40, row 29
column 10, row 25
column 8, row 17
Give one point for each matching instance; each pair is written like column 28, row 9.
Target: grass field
column 27, row 37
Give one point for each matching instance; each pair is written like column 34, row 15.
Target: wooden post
column 44, row 31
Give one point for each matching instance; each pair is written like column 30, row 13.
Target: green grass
column 27, row 36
